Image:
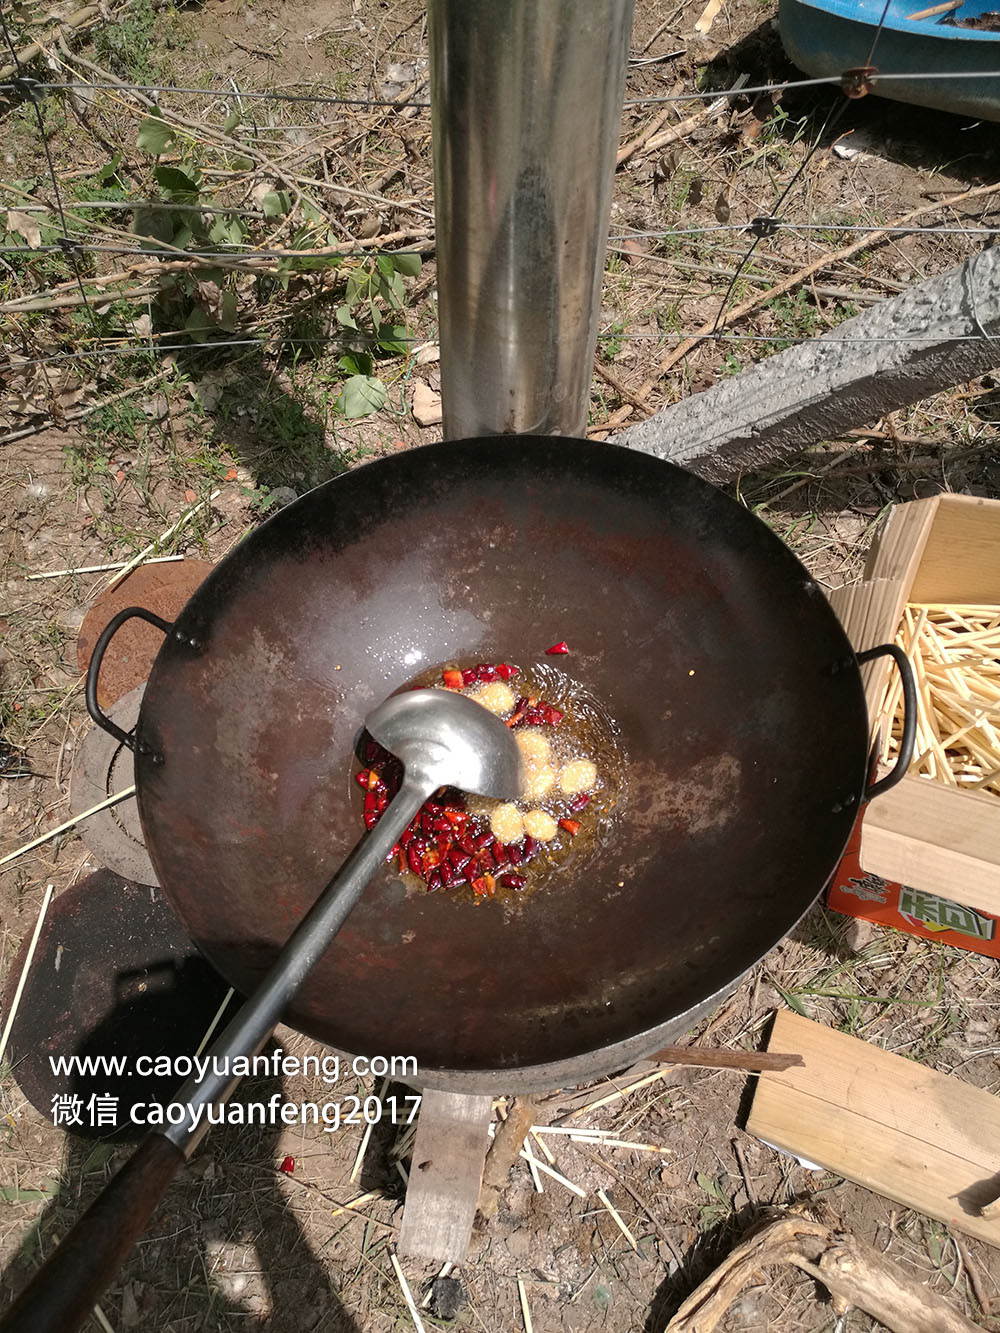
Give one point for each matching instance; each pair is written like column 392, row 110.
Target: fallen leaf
column 190, row 496
column 230, row 475
column 696, row 192
column 142, row 327
column 26, row 226
column 722, row 210
column 209, row 296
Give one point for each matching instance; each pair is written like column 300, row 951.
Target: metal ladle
column 443, row 740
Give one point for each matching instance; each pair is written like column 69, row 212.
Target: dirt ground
column 238, row 1243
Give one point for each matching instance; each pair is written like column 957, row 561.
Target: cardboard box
column 922, row 834
column 930, row 916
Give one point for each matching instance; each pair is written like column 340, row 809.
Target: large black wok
column 741, row 713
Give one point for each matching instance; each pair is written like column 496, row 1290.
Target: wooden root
column 853, row 1273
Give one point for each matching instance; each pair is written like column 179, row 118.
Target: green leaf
column 311, row 213
column 13, row 1194
column 227, row 315
column 183, row 236
column 601, row 1297
column 358, row 363
column 99, row 1156
column 276, row 203
column 232, row 122
column 153, row 225
column 392, row 338
column 361, row 395
column 240, row 163
column 198, row 325
column 155, row 136
column 711, row 1186
column 226, row 230
column 107, row 173
column 356, row 284
column 408, row 265
column 793, row 1002
column 384, row 265
column 176, row 182
column 345, row 318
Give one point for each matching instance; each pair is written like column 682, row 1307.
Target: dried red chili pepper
column 579, row 801
column 469, row 676
column 287, row 1166
column 487, row 673
column 512, row 880
column 484, row 886
column 572, row 826
column 505, row 671
column 453, row 679
column 361, row 778
column 557, row 649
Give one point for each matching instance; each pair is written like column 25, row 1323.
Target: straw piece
column 354, row 1203
column 70, row 823
column 622, row 1092
column 576, row 1130
column 418, row 1323
column 154, row 546
column 215, row 1022
column 636, row 1147
column 404, row 1173
column 98, row 569
column 22, row 979
column 551, row 1171
column 532, row 1161
column 619, row 1221
column 365, row 1138
column 103, row 1320
column 546, row 1151
column 525, row 1312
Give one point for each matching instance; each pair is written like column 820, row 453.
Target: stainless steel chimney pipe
column 527, row 98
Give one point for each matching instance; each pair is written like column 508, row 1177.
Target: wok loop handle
column 94, row 669
column 909, row 736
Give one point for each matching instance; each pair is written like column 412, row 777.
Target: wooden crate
column 945, row 841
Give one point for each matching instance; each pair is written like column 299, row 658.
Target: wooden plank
column 930, row 837
column 445, row 1176
column 924, row 1139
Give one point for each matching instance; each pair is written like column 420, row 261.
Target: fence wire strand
column 75, row 232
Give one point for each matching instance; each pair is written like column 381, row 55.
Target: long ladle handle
column 63, row 1292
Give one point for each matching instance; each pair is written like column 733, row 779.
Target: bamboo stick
column 22, row 979
column 70, row 823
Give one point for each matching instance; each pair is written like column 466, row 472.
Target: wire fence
column 180, row 226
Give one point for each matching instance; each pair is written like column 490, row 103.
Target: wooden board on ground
column 924, row 1139
column 445, row 1175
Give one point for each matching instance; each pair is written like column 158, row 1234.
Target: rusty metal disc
column 164, row 589
column 103, row 766
column 113, row 974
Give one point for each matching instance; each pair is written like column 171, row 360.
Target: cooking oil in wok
column 576, row 769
